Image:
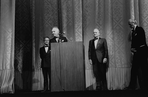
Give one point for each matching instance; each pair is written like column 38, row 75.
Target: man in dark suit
column 45, row 64
column 139, row 55
column 58, row 38
column 98, row 57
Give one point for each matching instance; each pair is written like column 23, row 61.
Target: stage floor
column 108, row 93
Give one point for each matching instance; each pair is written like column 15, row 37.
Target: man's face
column 55, row 32
column 131, row 24
column 46, row 41
column 96, row 33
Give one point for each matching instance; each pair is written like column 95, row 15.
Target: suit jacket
column 138, row 38
column 63, row 39
column 45, row 57
column 98, row 53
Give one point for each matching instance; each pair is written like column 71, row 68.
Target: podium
column 67, row 66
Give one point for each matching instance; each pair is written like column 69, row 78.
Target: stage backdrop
column 78, row 18
column 7, row 24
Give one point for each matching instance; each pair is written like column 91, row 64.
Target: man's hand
column 104, row 60
column 133, row 50
column 90, row 61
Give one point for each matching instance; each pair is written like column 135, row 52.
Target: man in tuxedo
column 58, row 38
column 45, row 64
column 139, row 55
column 98, row 58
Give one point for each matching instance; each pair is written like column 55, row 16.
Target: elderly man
column 57, row 36
column 98, row 57
column 139, row 55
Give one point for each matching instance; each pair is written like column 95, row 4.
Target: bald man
column 57, row 36
column 98, row 58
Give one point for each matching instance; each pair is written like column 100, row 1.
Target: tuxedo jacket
column 138, row 38
column 98, row 53
column 45, row 57
column 63, row 39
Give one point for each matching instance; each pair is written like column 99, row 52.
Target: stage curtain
column 78, row 18
column 7, row 35
column 23, row 46
column 142, row 15
column 71, row 14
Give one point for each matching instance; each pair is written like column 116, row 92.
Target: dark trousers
column 99, row 70
column 47, row 78
column 139, row 70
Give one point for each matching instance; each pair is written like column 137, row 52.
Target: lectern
column 67, row 67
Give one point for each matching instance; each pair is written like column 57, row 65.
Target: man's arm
column 89, row 53
column 106, row 51
column 130, row 36
column 65, row 39
column 142, row 36
column 41, row 55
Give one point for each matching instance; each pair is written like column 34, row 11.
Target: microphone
column 63, row 34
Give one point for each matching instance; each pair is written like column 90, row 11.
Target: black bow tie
column 95, row 38
column 46, row 46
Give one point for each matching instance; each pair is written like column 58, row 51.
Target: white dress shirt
column 96, row 42
column 46, row 49
column 57, row 39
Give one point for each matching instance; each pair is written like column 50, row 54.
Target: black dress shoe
column 131, row 88
column 48, row 90
column 43, row 91
column 98, row 88
column 104, row 88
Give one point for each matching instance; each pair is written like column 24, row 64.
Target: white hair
column 132, row 21
column 97, row 30
column 56, row 28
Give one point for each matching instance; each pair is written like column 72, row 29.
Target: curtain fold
column 143, row 16
column 72, row 19
column 23, row 46
column 7, row 35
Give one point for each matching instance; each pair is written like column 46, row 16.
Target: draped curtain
column 23, row 46
column 78, row 18
column 7, row 35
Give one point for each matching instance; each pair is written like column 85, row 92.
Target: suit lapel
column 44, row 49
column 93, row 44
column 135, row 31
column 99, row 42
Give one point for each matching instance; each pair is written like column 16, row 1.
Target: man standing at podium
column 98, row 57
column 45, row 63
column 57, row 36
